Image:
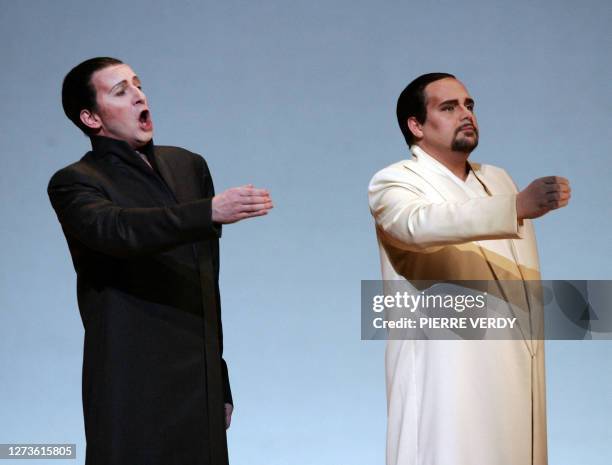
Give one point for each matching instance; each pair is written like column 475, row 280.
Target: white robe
column 458, row 402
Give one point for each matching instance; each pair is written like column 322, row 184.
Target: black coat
column 146, row 254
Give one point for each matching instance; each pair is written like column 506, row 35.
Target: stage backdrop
column 299, row 97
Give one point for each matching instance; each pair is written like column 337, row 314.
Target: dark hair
column 77, row 91
column 413, row 102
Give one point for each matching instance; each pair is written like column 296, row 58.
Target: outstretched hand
column 542, row 196
column 239, row 203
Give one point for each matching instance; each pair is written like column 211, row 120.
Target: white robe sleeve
column 402, row 211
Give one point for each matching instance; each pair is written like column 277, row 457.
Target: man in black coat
column 142, row 224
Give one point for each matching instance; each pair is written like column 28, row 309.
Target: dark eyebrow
column 449, row 102
column 123, row 83
column 120, row 83
column 456, row 102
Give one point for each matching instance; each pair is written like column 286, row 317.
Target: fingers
column 555, row 180
column 557, row 188
column 551, row 196
column 543, row 195
column 249, row 202
column 248, row 195
column 250, row 191
column 256, row 199
column 253, row 207
column 245, row 215
column 557, row 191
column 253, row 199
column 239, row 203
column 557, row 199
column 562, row 203
column 554, row 205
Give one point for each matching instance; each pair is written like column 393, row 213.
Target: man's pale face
column 450, row 123
column 122, row 111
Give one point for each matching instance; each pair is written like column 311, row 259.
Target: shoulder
column 180, row 157
column 494, row 174
column 489, row 170
column 83, row 171
column 173, row 153
column 396, row 171
column 405, row 173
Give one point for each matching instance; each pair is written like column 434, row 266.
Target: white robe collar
column 429, row 162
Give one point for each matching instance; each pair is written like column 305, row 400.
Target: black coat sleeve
column 87, row 214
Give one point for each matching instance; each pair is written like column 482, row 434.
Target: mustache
column 468, row 126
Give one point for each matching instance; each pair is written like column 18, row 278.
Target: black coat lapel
column 167, row 174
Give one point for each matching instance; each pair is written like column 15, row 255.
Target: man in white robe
column 439, row 217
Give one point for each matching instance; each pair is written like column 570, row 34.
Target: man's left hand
column 229, row 408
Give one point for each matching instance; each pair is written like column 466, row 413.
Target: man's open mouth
column 145, row 120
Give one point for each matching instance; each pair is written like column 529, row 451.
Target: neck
column 456, row 162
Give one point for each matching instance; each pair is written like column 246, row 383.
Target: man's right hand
column 542, row 196
column 238, row 203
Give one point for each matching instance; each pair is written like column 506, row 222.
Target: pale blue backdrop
column 299, row 97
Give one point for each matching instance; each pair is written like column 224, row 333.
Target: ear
column 415, row 127
column 90, row 119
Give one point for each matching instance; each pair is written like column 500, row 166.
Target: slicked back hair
column 413, row 102
column 78, row 93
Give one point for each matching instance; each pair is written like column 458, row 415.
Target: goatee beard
column 464, row 144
